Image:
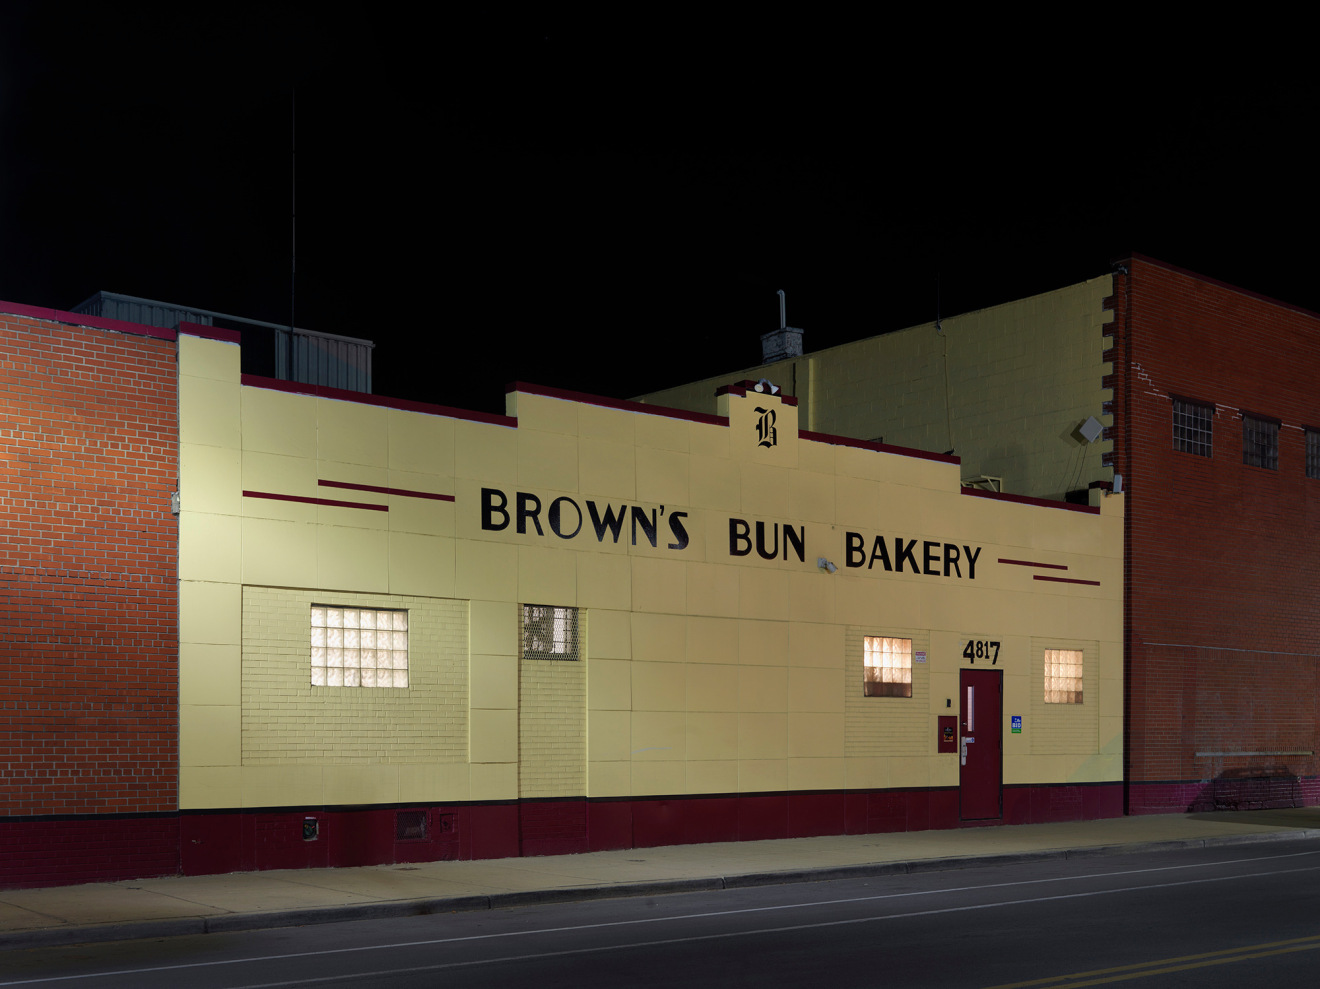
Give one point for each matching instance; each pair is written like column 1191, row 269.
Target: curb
column 388, row 909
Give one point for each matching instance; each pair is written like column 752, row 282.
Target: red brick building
column 88, row 599
column 1217, row 437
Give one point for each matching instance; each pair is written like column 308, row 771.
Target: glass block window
column 359, row 647
column 1260, row 442
column 549, row 632
column 887, row 667
column 1063, row 676
column 1192, row 426
column 1313, row 453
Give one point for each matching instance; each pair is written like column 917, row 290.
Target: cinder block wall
column 88, row 634
column 1004, row 388
column 1222, row 626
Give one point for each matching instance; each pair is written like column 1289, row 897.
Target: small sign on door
column 1016, row 728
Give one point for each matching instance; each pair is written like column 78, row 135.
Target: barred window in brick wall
column 1260, row 442
column 1063, row 676
column 549, row 632
column 887, row 667
column 1192, row 427
column 359, row 647
column 1313, row 453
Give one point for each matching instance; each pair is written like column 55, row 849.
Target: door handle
column 963, row 750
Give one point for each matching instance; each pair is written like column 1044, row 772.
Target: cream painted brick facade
column 552, row 725
column 1070, row 728
column 287, row 721
column 878, row 726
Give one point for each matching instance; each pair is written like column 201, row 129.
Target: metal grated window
column 1313, row 453
column 887, row 667
column 1192, row 427
column 1063, row 676
column 549, row 632
column 410, row 825
column 359, row 647
column 1260, row 442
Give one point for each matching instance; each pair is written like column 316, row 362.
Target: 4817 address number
column 981, row 649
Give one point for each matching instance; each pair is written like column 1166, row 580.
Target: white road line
column 721, row 913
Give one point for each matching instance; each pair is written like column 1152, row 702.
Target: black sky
column 609, row 205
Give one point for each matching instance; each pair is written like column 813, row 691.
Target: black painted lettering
column 798, row 538
column 555, row 517
column 854, row 553
column 740, row 543
column 902, row 553
column 613, row 523
column 648, row 525
column 490, row 508
column 951, row 559
column 879, row 551
column 529, row 507
column 930, row 558
column 680, row 533
column 971, row 561
column 761, row 551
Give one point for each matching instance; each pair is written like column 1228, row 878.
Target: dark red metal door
column 980, row 744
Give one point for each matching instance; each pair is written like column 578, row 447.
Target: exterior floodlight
column 764, row 385
column 826, row 565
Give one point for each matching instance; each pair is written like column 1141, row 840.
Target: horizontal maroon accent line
column 1065, row 580
column 405, row 492
column 364, row 398
column 1028, row 500
column 614, row 403
column 1031, row 563
column 902, row 451
column 210, row 332
column 316, row 501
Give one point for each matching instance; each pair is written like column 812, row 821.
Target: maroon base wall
column 62, row 851
column 45, row 852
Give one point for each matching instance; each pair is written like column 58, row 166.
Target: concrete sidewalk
column 201, row 904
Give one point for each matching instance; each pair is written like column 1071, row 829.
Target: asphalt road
column 1236, row 916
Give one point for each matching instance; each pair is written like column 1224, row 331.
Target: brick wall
column 1223, row 634
column 88, row 599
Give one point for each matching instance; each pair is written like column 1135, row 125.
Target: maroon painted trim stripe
column 1032, row 563
column 210, row 332
column 1028, row 500
column 315, row 501
column 902, row 451
column 78, row 319
column 614, row 403
column 1065, row 580
column 375, row 489
column 363, row 398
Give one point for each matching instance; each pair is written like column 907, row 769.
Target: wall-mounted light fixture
column 826, row 565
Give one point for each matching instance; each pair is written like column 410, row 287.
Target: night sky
column 609, row 205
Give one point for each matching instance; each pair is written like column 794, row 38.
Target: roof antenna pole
column 783, row 319
column 293, row 222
